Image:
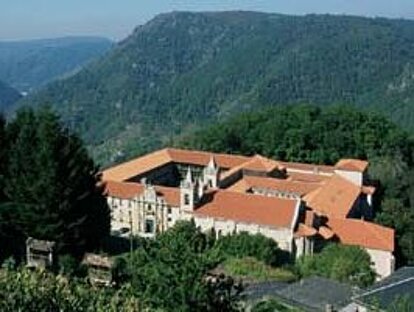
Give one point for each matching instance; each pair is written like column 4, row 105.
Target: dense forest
column 8, row 96
column 311, row 134
column 181, row 70
column 28, row 65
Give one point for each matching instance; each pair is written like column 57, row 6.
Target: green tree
column 348, row 264
column 25, row 290
column 172, row 273
column 52, row 186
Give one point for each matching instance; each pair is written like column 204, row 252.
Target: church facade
column 300, row 206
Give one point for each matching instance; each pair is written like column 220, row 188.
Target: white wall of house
column 383, row 262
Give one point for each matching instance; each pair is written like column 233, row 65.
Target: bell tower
column 188, row 192
column 211, row 174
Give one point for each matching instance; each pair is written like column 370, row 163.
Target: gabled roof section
column 129, row 190
column 203, row 158
column 123, row 190
column 304, row 231
column 362, row 233
column 308, row 168
column 260, row 163
column 248, row 208
column 282, row 185
column 352, row 165
column 384, row 293
column 162, row 157
column 335, row 198
column 137, row 166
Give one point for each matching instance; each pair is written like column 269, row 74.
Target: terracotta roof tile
column 249, row 208
column 304, row 231
column 128, row 190
column 123, row 190
column 283, row 185
column 202, row 158
column 352, row 165
column 336, row 197
column 311, row 168
column 325, row 232
column 369, row 190
column 362, row 233
column 307, row 177
column 137, row 166
column 162, row 157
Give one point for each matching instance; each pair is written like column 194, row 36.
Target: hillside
column 27, row 65
column 8, row 96
column 181, row 70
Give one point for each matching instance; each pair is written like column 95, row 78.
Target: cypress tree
column 52, row 184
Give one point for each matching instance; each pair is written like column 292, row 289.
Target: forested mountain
column 8, row 96
column 183, row 69
column 27, row 65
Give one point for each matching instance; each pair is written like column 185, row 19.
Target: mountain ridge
column 184, row 69
column 30, row 64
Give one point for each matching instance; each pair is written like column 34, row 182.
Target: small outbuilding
column 99, row 269
column 39, row 253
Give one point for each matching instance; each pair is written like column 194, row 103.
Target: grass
column 250, row 268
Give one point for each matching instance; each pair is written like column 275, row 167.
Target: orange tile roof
column 260, row 163
column 362, row 233
column 283, row 185
column 352, row 165
column 369, row 190
column 129, row 190
column 325, row 232
column 137, row 166
column 123, row 190
column 249, row 208
column 307, row 177
column 202, row 158
column 171, row 195
column 311, row 168
column 335, row 198
column 304, row 231
column 162, row 157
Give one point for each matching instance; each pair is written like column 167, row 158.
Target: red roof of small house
column 250, row 208
column 325, row 232
column 352, row 165
column 363, row 233
column 304, row 231
column 335, row 198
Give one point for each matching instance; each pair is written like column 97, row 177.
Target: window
column 149, row 226
column 169, row 219
column 149, row 207
column 186, row 199
column 169, row 210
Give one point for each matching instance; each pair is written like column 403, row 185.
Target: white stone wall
column 383, row 262
column 120, row 212
column 282, row 236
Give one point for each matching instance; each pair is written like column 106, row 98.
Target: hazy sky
column 23, row 19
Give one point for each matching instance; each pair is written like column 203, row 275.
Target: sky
column 115, row 19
